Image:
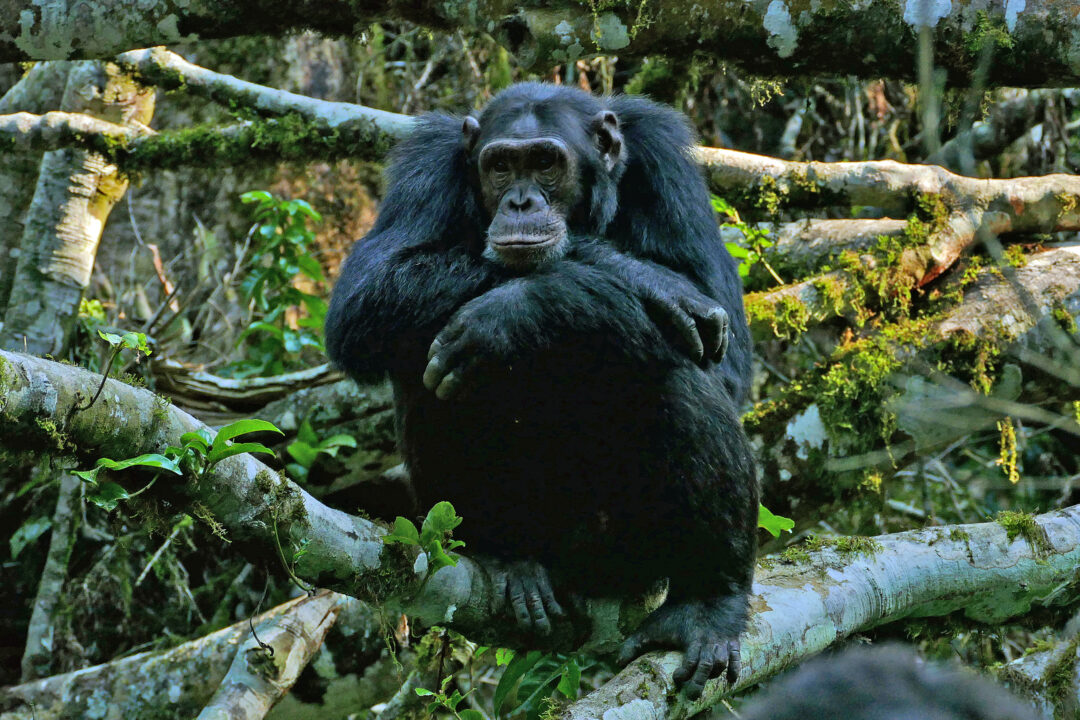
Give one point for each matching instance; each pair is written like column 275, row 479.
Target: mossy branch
column 812, row 599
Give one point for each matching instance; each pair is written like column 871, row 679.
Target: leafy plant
column 448, row 703
column 775, row 524
column 756, row 241
column 535, row 676
column 196, row 455
column 435, row 537
column 119, row 343
column 307, row 447
column 280, row 332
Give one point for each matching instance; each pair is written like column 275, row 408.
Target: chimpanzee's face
column 532, row 180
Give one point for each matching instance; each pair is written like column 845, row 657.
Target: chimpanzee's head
column 546, row 161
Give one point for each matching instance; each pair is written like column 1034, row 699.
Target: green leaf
column 335, row 441
column 108, row 495
column 437, row 557
column 150, row 460
column 199, row 438
column 111, row 338
column 517, row 668
column 302, row 453
column 220, row 454
column 307, row 434
column 440, row 519
column 423, row 692
column 404, row 532
column 736, row 250
column 773, row 523
column 260, row 196
column 310, row 267
column 27, row 533
column 243, row 427
column 570, row 680
column 503, row 656
column 136, row 341
column 470, row 714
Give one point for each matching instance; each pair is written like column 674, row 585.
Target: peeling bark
column 181, row 679
column 40, row 89
column 74, row 195
column 269, row 663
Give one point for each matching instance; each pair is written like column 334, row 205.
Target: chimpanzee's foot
column 528, row 590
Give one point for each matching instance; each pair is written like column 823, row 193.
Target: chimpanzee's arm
column 697, row 323
column 571, row 301
column 392, row 298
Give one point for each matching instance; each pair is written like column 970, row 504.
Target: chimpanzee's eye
column 500, row 165
column 545, row 160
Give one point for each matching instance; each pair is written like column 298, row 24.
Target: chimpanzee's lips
column 523, row 241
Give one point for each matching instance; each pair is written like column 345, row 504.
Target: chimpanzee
column 564, row 331
column 883, row 683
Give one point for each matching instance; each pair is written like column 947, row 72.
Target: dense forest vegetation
column 201, row 514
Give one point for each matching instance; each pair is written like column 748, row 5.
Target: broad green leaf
column 107, row 495
column 503, row 656
column 437, row 557
column 570, row 680
column 440, row 519
column 302, row 453
column 307, row 434
column 310, row 267
column 423, row 692
column 150, row 460
column 337, row 441
column 216, row 456
column 256, row 196
column 111, row 338
column 736, row 250
column 198, row 438
column 773, row 523
column 243, row 427
column 517, row 668
column 27, row 533
column 404, row 532
column 470, row 714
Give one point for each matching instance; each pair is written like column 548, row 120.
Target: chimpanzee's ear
column 470, row 132
column 609, row 140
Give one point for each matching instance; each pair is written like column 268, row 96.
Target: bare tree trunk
column 37, row 658
column 39, row 91
column 75, row 192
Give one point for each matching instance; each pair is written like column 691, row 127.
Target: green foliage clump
column 287, row 321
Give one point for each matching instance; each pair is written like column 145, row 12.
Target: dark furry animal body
column 883, row 683
column 564, row 332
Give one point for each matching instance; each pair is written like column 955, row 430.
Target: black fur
column 587, row 443
column 885, row 683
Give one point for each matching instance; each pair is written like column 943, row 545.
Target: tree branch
column 167, row 70
column 1032, row 44
column 798, row 610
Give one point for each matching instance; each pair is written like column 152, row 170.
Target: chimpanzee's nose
column 522, row 200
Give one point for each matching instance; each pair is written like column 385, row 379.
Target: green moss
column 847, row 546
column 988, row 30
column 1064, row 318
column 1059, row 677
column 795, row 555
column 958, row 534
column 53, row 434
column 1022, row 524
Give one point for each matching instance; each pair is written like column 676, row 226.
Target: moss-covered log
column 810, row 599
column 852, row 414
column 1034, row 42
